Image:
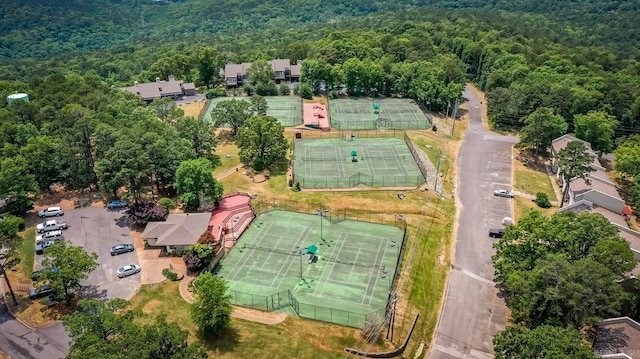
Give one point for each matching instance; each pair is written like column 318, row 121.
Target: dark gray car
column 121, row 248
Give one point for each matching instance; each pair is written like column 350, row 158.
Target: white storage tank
column 17, row 97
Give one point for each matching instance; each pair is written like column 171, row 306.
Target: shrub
column 434, row 128
column 144, row 212
column 284, row 90
column 206, row 238
column 167, row 203
column 171, row 275
column 11, row 225
column 542, row 200
column 305, row 91
column 216, row 92
column 296, row 89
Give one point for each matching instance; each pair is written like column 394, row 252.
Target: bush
column 296, row 90
column 167, row 203
column 542, row 200
column 11, row 225
column 170, row 274
column 284, row 90
column 434, row 128
column 216, row 92
column 305, row 91
column 144, row 212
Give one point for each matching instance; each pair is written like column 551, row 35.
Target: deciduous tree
column 518, row 342
column 597, row 128
column 233, row 113
column 194, row 179
column 211, row 310
column 628, row 156
column 262, row 143
column 74, row 265
column 18, row 186
column 258, row 104
column 542, row 127
column 573, row 161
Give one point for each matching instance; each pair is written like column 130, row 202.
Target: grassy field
column 532, row 179
column 295, row 338
column 523, row 205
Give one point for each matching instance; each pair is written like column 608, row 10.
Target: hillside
column 40, row 29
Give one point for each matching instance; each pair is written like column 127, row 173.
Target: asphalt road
column 473, row 312
column 20, row 342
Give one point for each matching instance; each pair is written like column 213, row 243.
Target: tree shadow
column 227, row 342
column 93, row 292
column 123, row 221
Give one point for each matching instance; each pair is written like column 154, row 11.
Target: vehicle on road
column 41, row 292
column 50, row 212
column 49, row 236
column 117, row 204
column 51, row 225
column 503, row 193
column 37, row 274
column 128, row 270
column 121, row 248
column 496, row 232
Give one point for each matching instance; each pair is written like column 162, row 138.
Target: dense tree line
column 80, row 133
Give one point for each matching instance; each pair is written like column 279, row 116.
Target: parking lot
column 97, row 229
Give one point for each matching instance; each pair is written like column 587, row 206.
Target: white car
column 49, row 236
column 51, row 212
column 503, row 193
column 128, row 270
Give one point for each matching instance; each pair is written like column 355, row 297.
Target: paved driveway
column 97, row 229
column 473, row 312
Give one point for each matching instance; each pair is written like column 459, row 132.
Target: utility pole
column 454, row 114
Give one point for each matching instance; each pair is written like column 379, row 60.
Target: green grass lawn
column 294, row 338
column 27, row 253
column 228, row 163
column 523, row 205
column 532, row 179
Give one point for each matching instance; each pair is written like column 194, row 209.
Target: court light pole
column 322, row 212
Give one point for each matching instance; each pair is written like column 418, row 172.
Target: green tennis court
column 286, row 109
column 346, row 163
column 392, row 113
column 336, row 270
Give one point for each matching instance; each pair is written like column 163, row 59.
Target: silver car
column 128, row 270
column 503, row 193
column 50, row 212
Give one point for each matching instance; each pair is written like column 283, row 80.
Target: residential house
column 178, row 232
column 600, row 195
column 600, row 191
column 618, row 338
column 235, row 74
column 154, row 90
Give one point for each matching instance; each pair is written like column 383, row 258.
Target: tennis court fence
column 358, row 179
column 417, row 157
column 283, row 299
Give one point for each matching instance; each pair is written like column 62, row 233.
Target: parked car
column 51, row 225
column 40, row 247
column 496, row 232
column 128, row 270
column 121, row 248
column 503, row 193
column 37, row 274
column 41, row 292
column 50, row 212
column 49, row 236
column 117, row 204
